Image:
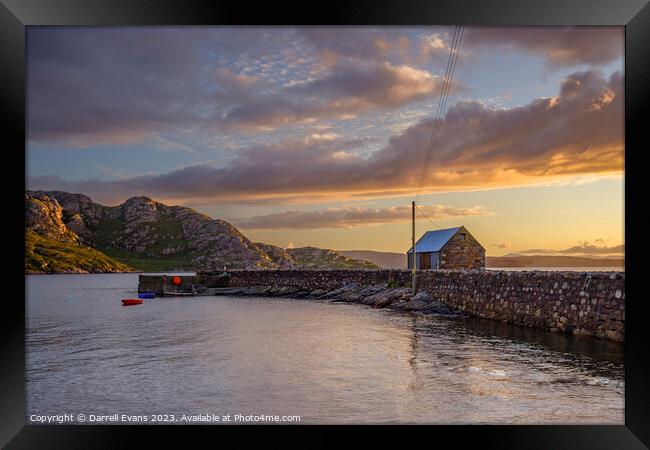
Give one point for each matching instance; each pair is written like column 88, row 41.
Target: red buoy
column 176, row 281
column 131, row 301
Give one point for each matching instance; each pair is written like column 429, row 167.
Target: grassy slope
column 146, row 264
column 167, row 230
column 47, row 256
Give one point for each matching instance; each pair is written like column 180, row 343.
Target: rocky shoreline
column 376, row 296
column 582, row 304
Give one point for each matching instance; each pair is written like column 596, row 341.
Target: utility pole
column 413, row 239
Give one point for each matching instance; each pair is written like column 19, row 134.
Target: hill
column 150, row 236
column 52, row 247
column 389, row 260
column 386, row 260
column 551, row 261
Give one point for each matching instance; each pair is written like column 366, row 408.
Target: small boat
column 131, row 301
column 146, row 295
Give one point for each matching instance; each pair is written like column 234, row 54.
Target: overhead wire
column 442, row 104
column 427, row 217
column 454, row 50
column 438, row 115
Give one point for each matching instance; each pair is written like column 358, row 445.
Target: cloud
column 503, row 245
column 336, row 45
column 583, row 248
column 92, row 86
column 352, row 217
column 343, row 92
column 549, row 139
column 559, row 46
column 110, row 86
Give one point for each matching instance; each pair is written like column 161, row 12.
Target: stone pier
column 578, row 303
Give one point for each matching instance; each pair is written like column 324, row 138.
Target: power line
column 442, row 103
column 438, row 116
column 427, row 217
column 442, row 107
column 438, row 112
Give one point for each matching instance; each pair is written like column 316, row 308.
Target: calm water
column 325, row 362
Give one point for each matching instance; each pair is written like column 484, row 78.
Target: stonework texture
column 567, row 302
column 462, row 251
column 578, row 303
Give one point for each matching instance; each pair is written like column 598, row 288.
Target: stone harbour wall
column 579, row 303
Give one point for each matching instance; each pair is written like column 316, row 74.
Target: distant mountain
column 386, row 260
column 389, row 260
column 313, row 258
column 552, row 261
column 319, row 258
column 147, row 235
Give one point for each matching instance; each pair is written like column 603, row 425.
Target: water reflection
column 328, row 363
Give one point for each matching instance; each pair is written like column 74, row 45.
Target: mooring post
column 413, row 240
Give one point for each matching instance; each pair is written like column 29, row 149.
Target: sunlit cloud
column 545, row 141
column 353, row 217
column 343, row 93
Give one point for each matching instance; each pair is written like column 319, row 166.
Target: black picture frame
column 16, row 15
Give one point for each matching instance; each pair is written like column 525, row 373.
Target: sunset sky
column 317, row 135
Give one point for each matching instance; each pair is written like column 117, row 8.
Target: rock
column 44, row 216
column 422, row 296
column 318, row 258
column 615, row 336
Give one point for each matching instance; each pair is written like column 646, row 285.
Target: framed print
column 274, row 219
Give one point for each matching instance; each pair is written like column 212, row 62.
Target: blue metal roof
column 433, row 241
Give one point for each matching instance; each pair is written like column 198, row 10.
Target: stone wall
column 308, row 279
column 161, row 284
column 462, row 251
column 569, row 302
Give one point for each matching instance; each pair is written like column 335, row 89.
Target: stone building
column 451, row 248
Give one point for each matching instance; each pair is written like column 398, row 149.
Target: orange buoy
column 176, row 281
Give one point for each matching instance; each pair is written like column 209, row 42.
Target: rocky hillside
column 313, row 258
column 149, row 235
column 53, row 247
column 318, row 258
column 385, row 260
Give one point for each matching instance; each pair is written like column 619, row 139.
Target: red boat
column 131, row 301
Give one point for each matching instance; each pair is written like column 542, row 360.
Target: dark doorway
column 425, row 260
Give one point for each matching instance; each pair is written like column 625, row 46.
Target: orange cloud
column 545, row 141
column 352, row 217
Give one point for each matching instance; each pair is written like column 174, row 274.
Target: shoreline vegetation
column 47, row 256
